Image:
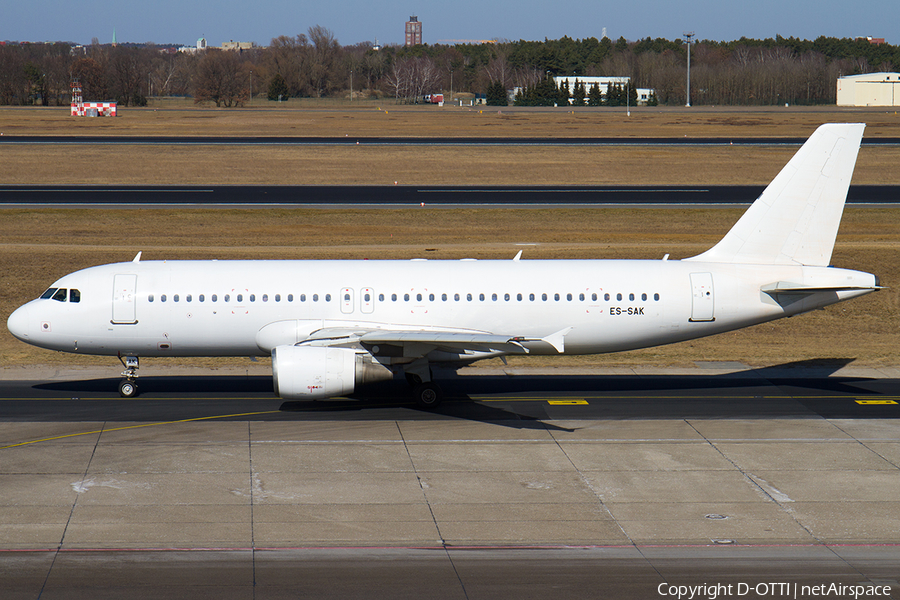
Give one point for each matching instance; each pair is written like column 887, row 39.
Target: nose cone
column 18, row 323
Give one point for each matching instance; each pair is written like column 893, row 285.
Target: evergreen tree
column 278, row 88
column 632, row 94
column 496, row 94
column 564, row 95
column 595, row 97
column 579, row 94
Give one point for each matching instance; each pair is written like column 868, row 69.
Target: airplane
column 332, row 326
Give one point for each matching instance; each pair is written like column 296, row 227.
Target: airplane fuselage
column 228, row 308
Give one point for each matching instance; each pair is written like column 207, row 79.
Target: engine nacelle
column 311, row 372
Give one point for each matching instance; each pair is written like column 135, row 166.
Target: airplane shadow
column 796, row 389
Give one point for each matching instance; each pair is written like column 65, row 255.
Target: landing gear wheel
column 428, row 395
column 128, row 388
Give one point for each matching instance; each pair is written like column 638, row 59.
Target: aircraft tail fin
column 796, row 219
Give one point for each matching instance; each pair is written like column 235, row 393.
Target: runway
column 414, row 141
column 563, row 483
column 402, row 196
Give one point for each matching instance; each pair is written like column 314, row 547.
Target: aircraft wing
column 445, row 341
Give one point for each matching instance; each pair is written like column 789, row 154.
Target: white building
column 643, row 94
column 870, row 89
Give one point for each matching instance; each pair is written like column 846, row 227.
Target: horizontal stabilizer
column 783, row 287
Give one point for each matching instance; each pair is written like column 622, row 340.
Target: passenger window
column 240, row 297
column 291, row 298
column 393, row 297
column 643, row 296
column 74, row 295
column 347, row 298
column 48, row 294
column 581, row 297
column 481, row 297
column 469, row 297
column 594, row 297
column 227, row 297
column 175, row 298
column 619, row 297
column 569, row 297
column 60, row 295
column 214, row 298
column 265, row 298
column 456, row 297
column 431, row 297
column 327, row 297
column 252, row 297
column 202, row 298
column 519, row 297
column 188, row 298
column 544, row 297
column 302, row 297
column 506, row 297
column 163, row 298
column 631, row 296
column 315, row 298
column 406, row 297
column 444, row 297
column 531, row 297
column 418, row 297
column 277, row 297
column 150, row 298
column 381, row 297
column 494, row 297
column 366, row 297
column 656, row 297
column 556, row 297
column 606, row 297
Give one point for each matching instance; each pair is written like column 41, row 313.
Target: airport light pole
column 688, row 37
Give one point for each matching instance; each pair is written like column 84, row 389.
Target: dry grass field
column 39, row 245
column 392, row 120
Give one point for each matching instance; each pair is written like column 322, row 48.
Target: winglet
column 137, row 257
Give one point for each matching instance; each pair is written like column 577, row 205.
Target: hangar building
column 870, row 89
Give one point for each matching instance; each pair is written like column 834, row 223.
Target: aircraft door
column 347, row 300
column 367, row 300
column 123, row 310
column 703, row 299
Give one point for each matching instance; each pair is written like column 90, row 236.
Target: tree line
column 313, row 64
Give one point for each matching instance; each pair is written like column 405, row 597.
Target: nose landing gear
column 128, row 387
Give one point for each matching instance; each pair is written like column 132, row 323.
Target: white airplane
column 331, row 326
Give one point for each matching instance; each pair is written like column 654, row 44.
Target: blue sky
column 352, row 21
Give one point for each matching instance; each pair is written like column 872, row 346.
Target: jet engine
column 311, row 372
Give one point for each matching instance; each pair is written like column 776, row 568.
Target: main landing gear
column 426, row 394
column 128, row 387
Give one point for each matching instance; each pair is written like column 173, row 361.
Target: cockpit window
column 74, row 295
column 60, row 295
column 48, row 294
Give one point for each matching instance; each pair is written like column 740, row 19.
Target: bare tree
column 324, row 58
column 221, row 78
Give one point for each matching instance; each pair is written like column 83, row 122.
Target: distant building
column 237, row 46
column 413, row 31
column 603, row 83
column 201, row 45
column 870, row 89
column 871, row 40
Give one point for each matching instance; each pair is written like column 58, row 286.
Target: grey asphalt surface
column 526, row 483
column 403, row 196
